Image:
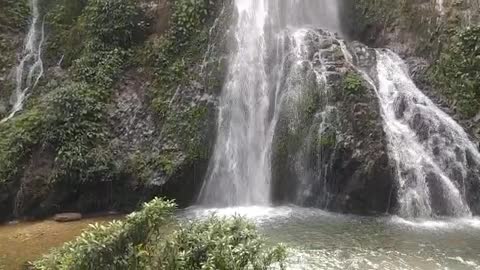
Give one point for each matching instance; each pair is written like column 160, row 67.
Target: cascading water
column 433, row 155
column 240, row 169
column 280, row 59
column 30, row 69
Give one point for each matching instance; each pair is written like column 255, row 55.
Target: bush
column 114, row 246
column 228, row 243
column 66, row 35
column 457, row 71
column 13, row 15
column 112, row 22
column 139, row 243
column 18, row 137
column 353, row 84
column 100, row 67
column 78, row 132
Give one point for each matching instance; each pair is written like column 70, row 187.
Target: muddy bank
column 27, row 241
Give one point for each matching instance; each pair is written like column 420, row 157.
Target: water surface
column 322, row 240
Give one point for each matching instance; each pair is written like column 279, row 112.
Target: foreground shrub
column 113, row 246
column 142, row 241
column 217, row 243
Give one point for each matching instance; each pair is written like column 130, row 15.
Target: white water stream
column 30, row 68
column 433, row 155
column 240, row 171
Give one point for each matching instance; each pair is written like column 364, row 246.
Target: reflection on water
column 27, row 241
column 321, row 240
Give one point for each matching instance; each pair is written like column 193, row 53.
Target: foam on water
column 438, row 224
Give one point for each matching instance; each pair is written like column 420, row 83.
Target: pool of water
column 316, row 239
column 27, row 241
column 322, row 240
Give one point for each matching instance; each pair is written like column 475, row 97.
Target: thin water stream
column 30, row 68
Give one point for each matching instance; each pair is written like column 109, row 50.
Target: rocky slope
column 13, row 24
column 330, row 149
column 122, row 114
column 127, row 107
column 439, row 40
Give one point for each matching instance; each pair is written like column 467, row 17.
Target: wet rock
column 334, row 155
column 67, row 217
column 34, row 189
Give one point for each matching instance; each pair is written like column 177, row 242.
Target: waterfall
column 30, row 69
column 240, row 168
column 433, row 155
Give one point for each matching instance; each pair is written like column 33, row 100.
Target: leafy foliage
column 94, row 41
column 78, row 132
column 66, row 33
column 114, row 246
column 139, row 242
column 74, row 120
column 458, row 70
column 112, row 22
column 17, row 139
column 353, row 84
column 219, row 244
column 13, row 15
column 100, row 68
column 172, row 59
column 327, row 140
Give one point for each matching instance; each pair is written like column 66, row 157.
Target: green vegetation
column 13, row 23
column 219, row 243
column 79, row 129
column 66, row 33
column 173, row 59
column 13, row 15
column 78, row 132
column 73, row 115
column 447, row 41
column 457, row 72
column 108, row 29
column 327, row 140
column 143, row 241
column 115, row 246
column 170, row 56
column 353, row 84
column 371, row 19
column 17, row 140
column 95, row 42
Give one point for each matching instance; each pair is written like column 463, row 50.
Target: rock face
column 160, row 131
column 423, row 33
column 433, row 37
column 410, row 28
column 13, row 22
column 330, row 149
